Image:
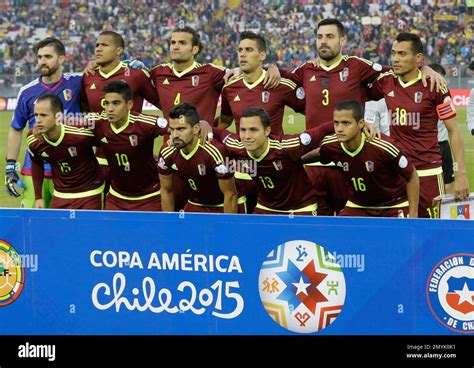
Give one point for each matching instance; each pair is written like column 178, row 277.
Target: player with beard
column 337, row 78
column 51, row 56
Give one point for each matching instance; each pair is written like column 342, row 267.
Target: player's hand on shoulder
column 135, row 64
column 13, row 183
column 206, row 131
column 90, row 68
column 315, row 62
column 39, row 203
column 272, row 78
column 371, row 131
column 229, row 73
column 435, row 78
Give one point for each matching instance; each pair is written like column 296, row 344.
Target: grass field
column 291, row 125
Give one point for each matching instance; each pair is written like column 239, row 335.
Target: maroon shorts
column 113, row 203
column 87, row 203
column 364, row 212
column 242, row 209
column 430, row 187
column 331, row 187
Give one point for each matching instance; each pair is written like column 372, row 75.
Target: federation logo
column 369, row 166
column 344, row 74
column 302, row 287
column 72, row 151
column 265, row 96
column 418, row 97
column 195, row 80
column 67, row 94
column 12, row 274
column 133, row 140
column 450, row 292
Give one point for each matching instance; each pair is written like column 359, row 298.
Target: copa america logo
column 12, row 274
column 450, row 292
column 302, row 287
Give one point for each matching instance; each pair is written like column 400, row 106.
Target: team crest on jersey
column 265, row 96
column 369, row 165
column 344, row 74
column 450, row 292
column 67, row 93
column 302, row 287
column 12, row 274
column 133, row 140
column 202, row 169
column 418, row 97
column 278, row 165
column 195, row 80
column 72, row 151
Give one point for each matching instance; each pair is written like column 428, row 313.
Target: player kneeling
column 77, row 178
column 385, row 182
column 204, row 167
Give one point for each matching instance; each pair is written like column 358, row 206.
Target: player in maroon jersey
column 337, row 78
column 78, row 180
column 108, row 51
column 204, row 167
column 385, row 182
column 248, row 89
column 127, row 139
column 414, row 112
column 283, row 185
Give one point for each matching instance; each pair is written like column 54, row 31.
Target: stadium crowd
column 288, row 26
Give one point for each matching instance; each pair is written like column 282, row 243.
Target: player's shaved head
column 258, row 112
column 121, row 87
column 261, row 44
column 351, row 105
column 415, row 41
column 185, row 111
column 54, row 42
column 118, row 39
column 55, row 101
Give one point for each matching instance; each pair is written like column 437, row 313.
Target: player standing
column 248, row 88
column 51, row 56
column 414, row 113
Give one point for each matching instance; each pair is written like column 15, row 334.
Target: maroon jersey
column 377, row 171
column 138, row 80
column 414, row 112
column 129, row 151
column 325, row 87
column 200, row 169
column 200, row 85
column 74, row 166
column 238, row 95
column 283, row 185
